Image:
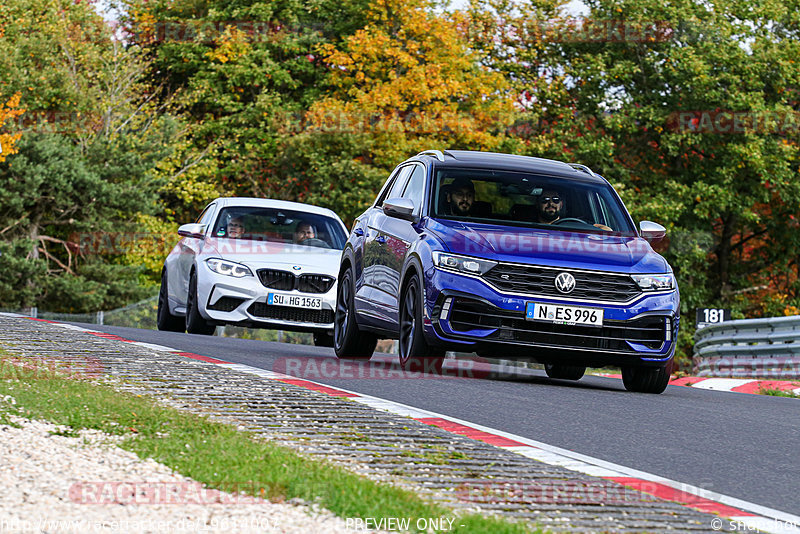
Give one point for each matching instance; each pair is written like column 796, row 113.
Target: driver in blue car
column 551, row 208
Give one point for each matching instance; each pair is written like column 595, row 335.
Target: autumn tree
column 240, row 71
column 91, row 138
column 405, row 82
column 8, row 112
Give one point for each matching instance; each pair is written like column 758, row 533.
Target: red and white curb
column 740, row 514
column 736, row 385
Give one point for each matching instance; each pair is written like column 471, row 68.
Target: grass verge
column 778, row 393
column 216, row 454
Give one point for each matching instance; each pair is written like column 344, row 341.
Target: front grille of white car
column 277, row 279
column 287, row 281
column 315, row 283
column 285, row 313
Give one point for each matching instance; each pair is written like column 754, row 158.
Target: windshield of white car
column 280, row 226
column 526, row 199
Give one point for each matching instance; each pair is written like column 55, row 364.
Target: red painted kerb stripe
column 662, row 491
column 480, row 435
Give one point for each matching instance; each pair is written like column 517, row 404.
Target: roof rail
column 436, row 153
column 584, row 168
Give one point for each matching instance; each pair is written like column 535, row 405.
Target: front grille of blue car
column 534, row 280
column 286, row 281
column 286, row 313
column 466, row 315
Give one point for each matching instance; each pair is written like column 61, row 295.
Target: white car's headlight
column 228, row 268
column 463, row 264
column 654, row 282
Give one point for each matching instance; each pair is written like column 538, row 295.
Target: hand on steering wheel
column 314, row 242
column 569, row 219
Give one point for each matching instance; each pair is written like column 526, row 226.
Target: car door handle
column 359, row 232
column 381, row 239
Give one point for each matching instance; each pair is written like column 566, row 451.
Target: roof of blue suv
column 496, row 160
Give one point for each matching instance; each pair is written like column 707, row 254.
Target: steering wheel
column 314, row 242
column 570, row 219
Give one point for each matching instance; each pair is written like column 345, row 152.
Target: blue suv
column 510, row 257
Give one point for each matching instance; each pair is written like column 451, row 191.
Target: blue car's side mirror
column 400, row 208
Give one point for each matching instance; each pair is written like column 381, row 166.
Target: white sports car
column 256, row 263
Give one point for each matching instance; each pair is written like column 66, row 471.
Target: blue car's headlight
column 228, row 268
column 654, row 282
column 463, row 264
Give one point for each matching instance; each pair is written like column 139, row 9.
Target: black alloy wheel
column 323, row 339
column 349, row 342
column 564, row 372
column 195, row 324
column 415, row 352
column 647, row 379
column 164, row 319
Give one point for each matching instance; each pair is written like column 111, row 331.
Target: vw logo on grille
column 565, row 282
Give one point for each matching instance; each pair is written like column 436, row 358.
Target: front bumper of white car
column 245, row 301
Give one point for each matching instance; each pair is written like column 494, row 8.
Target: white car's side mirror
column 192, row 230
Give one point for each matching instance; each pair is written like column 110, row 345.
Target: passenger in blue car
column 460, row 195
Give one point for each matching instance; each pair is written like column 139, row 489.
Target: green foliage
column 22, row 276
column 91, row 139
column 56, row 198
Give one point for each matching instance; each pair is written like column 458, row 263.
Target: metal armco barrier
column 749, row 348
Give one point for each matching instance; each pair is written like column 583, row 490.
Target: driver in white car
column 304, row 231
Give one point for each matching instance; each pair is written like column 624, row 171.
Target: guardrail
column 750, row 348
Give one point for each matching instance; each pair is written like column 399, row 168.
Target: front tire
column 349, row 342
column 195, row 324
column 415, row 352
column 647, row 379
column 165, row 321
column 564, row 372
column 323, row 339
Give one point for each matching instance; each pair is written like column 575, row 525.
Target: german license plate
column 560, row 314
column 294, row 301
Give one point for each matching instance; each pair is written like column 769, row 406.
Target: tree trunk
column 33, row 235
column 724, row 254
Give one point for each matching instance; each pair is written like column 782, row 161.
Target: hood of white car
column 298, row 259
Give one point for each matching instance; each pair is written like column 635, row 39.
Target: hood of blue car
column 553, row 248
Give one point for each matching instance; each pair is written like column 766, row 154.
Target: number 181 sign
column 707, row 316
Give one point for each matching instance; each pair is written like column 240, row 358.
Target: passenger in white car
column 236, row 227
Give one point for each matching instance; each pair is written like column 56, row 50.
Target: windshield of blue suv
column 523, row 199
column 280, row 226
